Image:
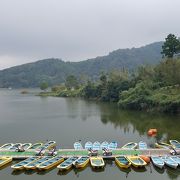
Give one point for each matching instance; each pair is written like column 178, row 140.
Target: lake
column 30, row 118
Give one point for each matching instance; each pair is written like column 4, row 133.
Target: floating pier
column 72, row 152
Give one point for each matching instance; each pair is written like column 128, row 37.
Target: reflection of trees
column 168, row 125
column 172, row 173
column 77, row 107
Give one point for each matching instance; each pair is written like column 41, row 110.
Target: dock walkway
column 72, row 152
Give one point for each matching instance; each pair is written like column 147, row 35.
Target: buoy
column 152, row 132
column 145, row 158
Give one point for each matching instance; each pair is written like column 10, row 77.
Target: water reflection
column 173, row 173
column 168, row 125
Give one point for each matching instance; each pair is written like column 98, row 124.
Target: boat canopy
column 104, row 145
column 96, row 145
column 78, row 145
column 112, row 145
column 88, row 145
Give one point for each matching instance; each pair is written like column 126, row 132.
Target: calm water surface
column 29, row 118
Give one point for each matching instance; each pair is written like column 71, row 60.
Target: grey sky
column 79, row 29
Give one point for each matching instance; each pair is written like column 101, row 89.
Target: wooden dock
column 72, row 152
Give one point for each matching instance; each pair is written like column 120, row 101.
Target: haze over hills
column 54, row 71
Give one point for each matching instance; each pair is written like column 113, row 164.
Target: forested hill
column 54, row 71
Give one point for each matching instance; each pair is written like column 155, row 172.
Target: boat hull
column 67, row 164
column 137, row 161
column 42, row 167
column 81, row 165
column 130, row 145
column 163, row 145
column 122, row 165
column 5, row 160
column 97, row 162
column 158, row 162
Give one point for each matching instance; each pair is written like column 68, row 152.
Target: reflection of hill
column 167, row 125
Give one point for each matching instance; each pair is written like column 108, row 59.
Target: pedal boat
column 104, row 145
column 78, row 146
column 136, row 161
column 122, row 162
column 81, row 162
column 5, row 160
column 97, row 162
column 96, row 146
column 67, row 164
column 112, row 146
column 88, row 145
column 157, row 161
column 142, row 145
column 50, row 163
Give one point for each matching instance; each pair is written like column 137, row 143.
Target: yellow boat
column 163, row 145
column 50, row 163
column 136, row 161
column 32, row 165
column 97, row 162
column 67, row 164
column 122, row 162
column 20, row 165
column 82, row 162
column 5, row 160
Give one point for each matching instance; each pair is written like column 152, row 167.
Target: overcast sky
column 75, row 30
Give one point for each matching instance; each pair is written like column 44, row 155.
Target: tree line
column 148, row 87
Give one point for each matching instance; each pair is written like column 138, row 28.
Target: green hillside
column 54, row 71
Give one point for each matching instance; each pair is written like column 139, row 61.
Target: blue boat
column 104, row 145
column 157, row 161
column 96, row 146
column 88, row 145
column 78, row 146
column 170, row 162
column 142, row 145
column 113, row 145
column 67, row 164
column 176, row 159
column 175, row 143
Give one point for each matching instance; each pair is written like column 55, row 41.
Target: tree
column 43, row 86
column 71, row 82
column 171, row 46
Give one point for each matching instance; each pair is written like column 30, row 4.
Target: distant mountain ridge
column 54, row 71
